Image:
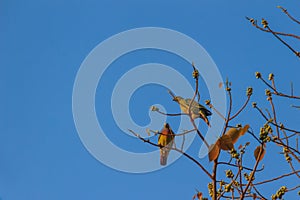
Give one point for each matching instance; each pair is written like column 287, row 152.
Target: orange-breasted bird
column 165, row 141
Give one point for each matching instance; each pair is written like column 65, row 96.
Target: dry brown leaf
column 214, row 151
column 244, row 130
column 198, row 196
column 226, row 143
column 235, row 133
column 256, row 153
column 220, row 85
column 148, row 132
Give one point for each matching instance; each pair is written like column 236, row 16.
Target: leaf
column 226, row 143
column 235, row 133
column 198, row 196
column 214, row 151
column 220, row 84
column 148, row 132
column 257, row 151
column 244, row 130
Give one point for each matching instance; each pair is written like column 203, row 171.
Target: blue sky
column 43, row 44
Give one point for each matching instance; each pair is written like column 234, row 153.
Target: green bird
column 197, row 110
column 165, row 141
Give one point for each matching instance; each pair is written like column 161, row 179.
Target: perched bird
column 165, row 141
column 197, row 110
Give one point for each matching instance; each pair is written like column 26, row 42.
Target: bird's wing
column 163, row 137
column 197, row 107
column 205, row 111
column 159, row 138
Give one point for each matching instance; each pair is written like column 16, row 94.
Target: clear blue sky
column 43, row 44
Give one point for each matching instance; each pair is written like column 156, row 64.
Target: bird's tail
column 163, row 156
column 204, row 118
column 207, row 122
column 163, row 160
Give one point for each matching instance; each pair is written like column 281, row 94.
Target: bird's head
column 166, row 125
column 177, row 98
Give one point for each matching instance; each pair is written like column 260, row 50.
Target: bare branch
column 254, row 23
column 283, row 42
column 282, row 127
column 241, row 109
column 288, row 14
column 247, row 168
column 276, row 178
column 276, row 92
column 294, row 188
column 171, row 114
column 218, row 112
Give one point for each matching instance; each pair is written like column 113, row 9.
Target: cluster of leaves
column 226, row 142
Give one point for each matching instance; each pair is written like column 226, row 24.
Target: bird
column 197, row 110
column 165, row 142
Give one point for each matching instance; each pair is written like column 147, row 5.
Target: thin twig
column 254, row 23
column 256, row 190
column 282, row 127
column 218, row 112
column 288, row 14
column 233, row 165
column 170, row 114
column 276, row 178
column 229, row 110
column 294, row 170
column 241, row 109
column 284, row 145
column 175, row 135
column 276, row 92
column 283, row 42
column 294, row 188
column 183, row 140
column 274, row 115
column 292, row 135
